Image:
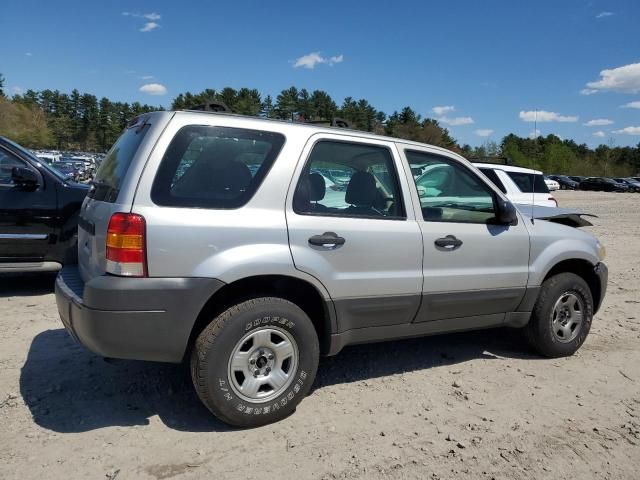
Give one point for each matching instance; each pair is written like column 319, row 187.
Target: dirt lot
column 472, row 405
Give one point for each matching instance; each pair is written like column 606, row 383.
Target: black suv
column 39, row 210
column 602, row 184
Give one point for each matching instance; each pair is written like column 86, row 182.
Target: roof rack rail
column 334, row 122
column 496, row 160
column 212, row 106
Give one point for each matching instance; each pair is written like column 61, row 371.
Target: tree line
column 81, row 121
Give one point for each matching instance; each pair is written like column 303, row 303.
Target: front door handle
column 450, row 242
column 327, row 240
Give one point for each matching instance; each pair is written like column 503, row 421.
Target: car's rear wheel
column 562, row 316
column 255, row 362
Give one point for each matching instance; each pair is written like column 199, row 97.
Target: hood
column 564, row 216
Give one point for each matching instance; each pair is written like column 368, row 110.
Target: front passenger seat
column 362, row 194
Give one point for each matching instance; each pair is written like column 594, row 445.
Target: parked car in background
column 254, row 272
column 577, row 178
column 68, row 170
column 38, row 212
column 521, row 185
column 632, row 183
column 602, row 184
column 565, row 182
column 552, row 185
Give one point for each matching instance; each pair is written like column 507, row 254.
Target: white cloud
column 314, row 58
column 599, row 134
column 598, row 122
column 629, row 131
column 17, row 90
column 456, row 121
column 146, row 77
column 635, row 104
column 535, row 133
column 153, row 16
column 154, row 89
column 625, row 79
column 149, row 26
column 442, row 110
column 604, row 14
column 483, row 132
column 29, row 54
column 544, row 116
column 588, row 91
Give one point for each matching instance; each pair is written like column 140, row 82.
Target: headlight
column 602, row 251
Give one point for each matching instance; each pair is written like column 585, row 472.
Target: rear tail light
column 126, row 245
column 553, row 200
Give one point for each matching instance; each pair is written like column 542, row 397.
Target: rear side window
column 491, row 174
column 214, row 167
column 524, row 181
column 109, row 176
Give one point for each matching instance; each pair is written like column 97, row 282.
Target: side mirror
column 422, row 192
column 24, row 177
column 506, row 213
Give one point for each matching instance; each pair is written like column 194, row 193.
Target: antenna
column 533, row 179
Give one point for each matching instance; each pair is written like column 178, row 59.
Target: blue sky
column 492, row 61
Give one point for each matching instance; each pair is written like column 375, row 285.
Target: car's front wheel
column 562, row 316
column 255, row 362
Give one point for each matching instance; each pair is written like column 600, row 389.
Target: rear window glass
column 524, row 181
column 106, row 184
column 214, row 167
column 491, row 174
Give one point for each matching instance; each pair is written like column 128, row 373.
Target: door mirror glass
column 24, row 177
column 422, row 191
column 506, row 212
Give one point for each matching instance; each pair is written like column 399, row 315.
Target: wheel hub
column 261, row 361
column 263, row 364
column 566, row 317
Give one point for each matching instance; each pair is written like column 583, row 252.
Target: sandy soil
column 472, row 405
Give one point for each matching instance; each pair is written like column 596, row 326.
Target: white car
column 552, row 185
column 520, row 185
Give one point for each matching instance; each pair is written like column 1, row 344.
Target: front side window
column 450, row 192
column 7, row 162
column 349, row 180
column 214, row 167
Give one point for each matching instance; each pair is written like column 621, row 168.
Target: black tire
column 539, row 332
column 210, row 361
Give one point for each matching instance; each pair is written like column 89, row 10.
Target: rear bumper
column 133, row 318
column 602, row 272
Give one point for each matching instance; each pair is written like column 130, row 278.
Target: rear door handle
column 450, row 242
column 327, row 240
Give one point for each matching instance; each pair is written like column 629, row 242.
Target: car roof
column 507, row 168
column 311, row 127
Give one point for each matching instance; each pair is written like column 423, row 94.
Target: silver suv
column 254, row 246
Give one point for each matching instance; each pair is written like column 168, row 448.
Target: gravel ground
column 470, row 405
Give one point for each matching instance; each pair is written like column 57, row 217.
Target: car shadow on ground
column 69, row 389
column 26, row 284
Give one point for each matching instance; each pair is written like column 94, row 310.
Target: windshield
column 106, row 184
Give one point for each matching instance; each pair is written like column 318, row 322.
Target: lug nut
column 270, row 357
column 268, row 369
column 252, row 361
column 255, row 374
